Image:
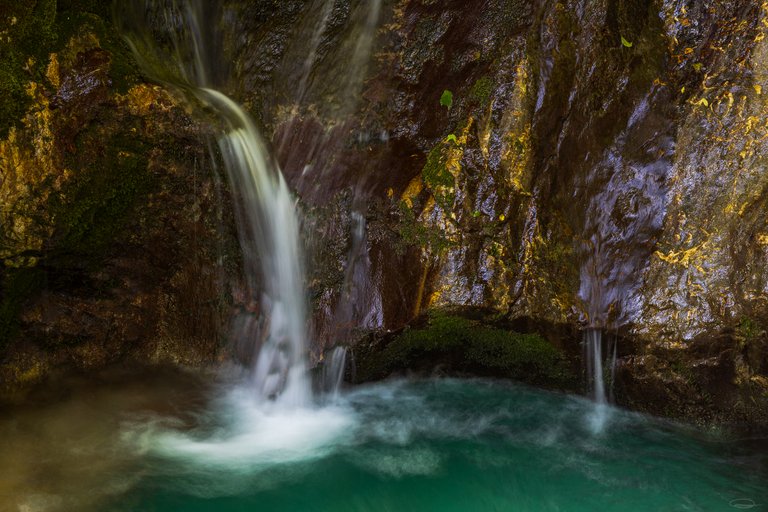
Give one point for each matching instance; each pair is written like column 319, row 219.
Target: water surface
column 442, row 445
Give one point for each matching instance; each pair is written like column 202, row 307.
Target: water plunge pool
column 170, row 441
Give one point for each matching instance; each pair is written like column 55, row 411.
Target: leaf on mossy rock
column 626, row 43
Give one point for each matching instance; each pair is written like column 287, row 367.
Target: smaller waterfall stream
column 598, row 373
column 593, row 341
column 593, row 357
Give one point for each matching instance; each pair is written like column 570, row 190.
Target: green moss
column 412, row 232
column 748, row 328
column 123, row 70
column 482, row 90
column 90, row 211
column 441, row 184
column 17, row 285
column 438, row 178
column 34, row 30
column 435, row 172
column 460, row 344
column 24, row 52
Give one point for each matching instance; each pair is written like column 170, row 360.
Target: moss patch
column 17, row 285
column 438, row 177
column 90, row 211
column 460, row 345
column 27, row 35
column 30, row 31
column 482, row 89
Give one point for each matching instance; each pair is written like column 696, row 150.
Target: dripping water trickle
column 333, row 373
column 598, row 372
column 593, row 342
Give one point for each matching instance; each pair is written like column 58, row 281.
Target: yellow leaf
column 626, row 43
column 758, row 89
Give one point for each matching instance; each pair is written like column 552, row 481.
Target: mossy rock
column 36, row 29
column 457, row 345
column 16, row 285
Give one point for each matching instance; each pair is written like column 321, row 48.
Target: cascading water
column 187, row 61
column 267, row 217
column 622, row 219
column 274, row 416
column 593, row 341
column 281, row 363
column 333, row 372
column 593, row 351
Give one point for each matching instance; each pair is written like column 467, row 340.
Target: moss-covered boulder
column 446, row 343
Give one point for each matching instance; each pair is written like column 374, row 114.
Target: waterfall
column 333, row 372
column 267, row 218
column 178, row 43
column 272, row 221
column 593, row 347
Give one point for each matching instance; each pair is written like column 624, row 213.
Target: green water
column 437, row 445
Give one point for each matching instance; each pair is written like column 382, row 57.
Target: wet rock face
column 111, row 234
column 598, row 163
column 714, row 380
column 538, row 190
column 594, row 163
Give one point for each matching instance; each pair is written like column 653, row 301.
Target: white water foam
column 246, row 435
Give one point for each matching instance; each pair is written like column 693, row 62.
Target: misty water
column 163, row 441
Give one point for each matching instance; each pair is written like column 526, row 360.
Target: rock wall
column 591, row 163
column 113, row 239
column 562, row 163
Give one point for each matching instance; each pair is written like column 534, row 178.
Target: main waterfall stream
column 267, row 219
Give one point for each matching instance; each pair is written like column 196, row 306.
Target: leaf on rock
column 446, row 100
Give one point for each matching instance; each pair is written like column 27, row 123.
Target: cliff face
column 110, row 225
column 561, row 163
column 592, row 163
